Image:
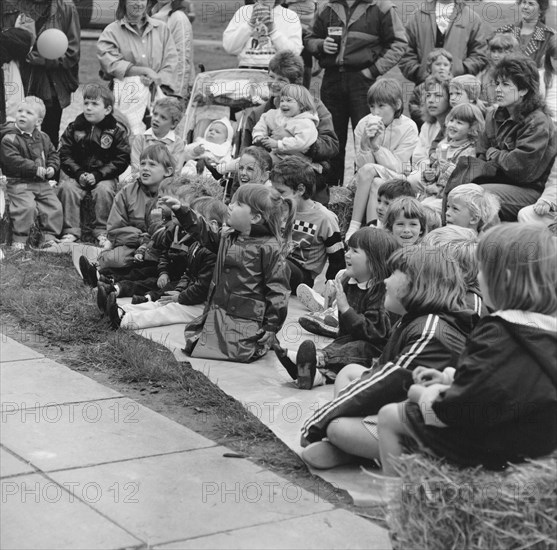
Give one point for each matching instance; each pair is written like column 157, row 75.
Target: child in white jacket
column 292, row 128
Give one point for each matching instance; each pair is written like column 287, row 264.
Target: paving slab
column 40, row 382
column 10, row 350
column 10, row 465
column 193, row 494
column 83, row 434
column 327, row 530
column 39, row 514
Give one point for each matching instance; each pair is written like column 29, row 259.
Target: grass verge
column 42, row 294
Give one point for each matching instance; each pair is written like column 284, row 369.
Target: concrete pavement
column 82, row 466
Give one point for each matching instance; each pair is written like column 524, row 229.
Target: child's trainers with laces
column 309, row 298
column 324, row 323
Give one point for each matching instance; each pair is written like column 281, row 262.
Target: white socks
column 352, row 228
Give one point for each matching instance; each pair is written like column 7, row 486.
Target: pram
column 230, row 93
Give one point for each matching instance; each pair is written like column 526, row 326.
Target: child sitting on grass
column 471, row 206
column 167, row 113
column 315, row 234
column 364, row 325
column 132, row 222
column 178, row 301
column 507, row 367
column 406, row 219
column 94, row 151
column 29, row 161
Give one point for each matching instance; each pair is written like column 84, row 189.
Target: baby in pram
column 215, row 147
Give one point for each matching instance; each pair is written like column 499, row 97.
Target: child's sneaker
column 88, row 272
column 324, row 324
column 103, row 290
column 17, row 246
column 112, row 311
column 306, row 364
column 323, row 455
column 68, row 238
column 309, row 298
column 103, row 242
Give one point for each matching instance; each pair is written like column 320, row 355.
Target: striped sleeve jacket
column 429, row 340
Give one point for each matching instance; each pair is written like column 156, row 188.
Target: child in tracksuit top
column 29, row 160
column 94, row 151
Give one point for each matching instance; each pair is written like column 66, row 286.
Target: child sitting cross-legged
column 364, row 325
column 471, row 206
column 178, row 301
column 29, row 161
column 94, row 151
column 507, row 367
column 427, row 290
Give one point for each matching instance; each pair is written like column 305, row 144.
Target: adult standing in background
column 448, row 24
column 371, row 41
column 17, row 35
column 138, row 45
column 52, row 80
column 532, row 34
column 174, row 14
column 257, row 31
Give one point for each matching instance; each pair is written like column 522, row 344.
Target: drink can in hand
column 335, row 33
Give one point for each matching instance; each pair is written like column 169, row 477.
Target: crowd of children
column 431, row 302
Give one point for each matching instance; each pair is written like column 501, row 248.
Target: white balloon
column 52, row 44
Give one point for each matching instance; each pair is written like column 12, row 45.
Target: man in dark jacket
column 53, row 80
column 288, row 68
column 372, row 42
column 14, row 45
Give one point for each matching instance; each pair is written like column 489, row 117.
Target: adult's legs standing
column 335, row 97
column 51, row 121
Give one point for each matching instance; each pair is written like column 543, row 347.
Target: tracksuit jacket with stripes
column 432, row 340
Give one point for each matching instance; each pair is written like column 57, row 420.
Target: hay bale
column 443, row 507
column 341, row 202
